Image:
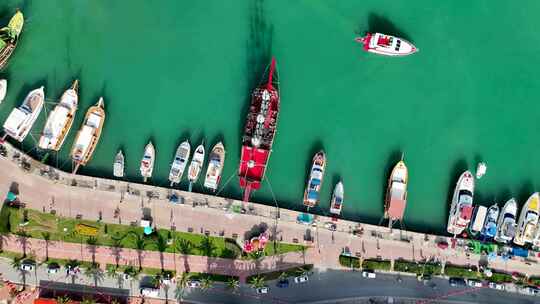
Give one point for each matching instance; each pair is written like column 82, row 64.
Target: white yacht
column 337, row 199
column 507, row 222
column 196, row 165
column 118, row 166
column 179, row 163
column 216, row 160
column 461, row 207
column 21, row 119
column 528, row 221
column 147, row 162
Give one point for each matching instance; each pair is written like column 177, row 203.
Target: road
column 323, row 287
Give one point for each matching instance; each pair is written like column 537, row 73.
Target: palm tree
column 232, row 285
column 116, row 249
column 47, row 238
column 207, row 246
column 16, row 264
column 63, row 300
column 181, row 286
column 88, row 301
column 94, row 272
column 132, row 274
column 140, row 245
column 257, row 282
column 22, row 237
column 92, row 242
column 161, row 245
column 184, row 246
column 206, row 283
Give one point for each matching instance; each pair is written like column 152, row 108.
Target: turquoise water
column 179, row 69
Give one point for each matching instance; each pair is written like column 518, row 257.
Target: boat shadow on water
column 524, row 192
column 380, row 24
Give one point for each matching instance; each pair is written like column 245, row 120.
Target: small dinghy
column 179, row 163
column 337, row 199
column 147, row 162
column 481, row 170
column 386, row 45
column 216, row 160
column 118, row 167
column 3, row 89
column 196, row 166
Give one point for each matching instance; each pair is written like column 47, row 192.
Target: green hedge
column 5, row 226
column 500, row 277
column 461, row 272
column 533, row 280
column 418, row 268
column 347, row 261
column 376, row 264
column 211, row 276
column 274, row 275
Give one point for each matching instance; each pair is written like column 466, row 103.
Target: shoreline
column 76, row 195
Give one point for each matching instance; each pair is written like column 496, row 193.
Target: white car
column 150, row 292
column 193, row 284
column 493, row 285
column 27, row 267
column 474, row 283
column 301, row 279
column 262, row 290
column 369, row 274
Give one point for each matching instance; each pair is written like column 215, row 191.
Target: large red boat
column 259, row 132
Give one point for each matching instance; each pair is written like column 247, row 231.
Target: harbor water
column 184, row 69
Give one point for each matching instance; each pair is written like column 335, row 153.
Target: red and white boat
column 461, row 207
column 386, row 45
column 259, row 133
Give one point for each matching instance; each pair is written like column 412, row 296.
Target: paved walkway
column 71, row 195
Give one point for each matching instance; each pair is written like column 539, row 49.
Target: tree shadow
column 14, row 188
column 380, row 24
column 255, row 231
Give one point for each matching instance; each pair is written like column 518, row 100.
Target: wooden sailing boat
column 9, row 37
column 88, row 136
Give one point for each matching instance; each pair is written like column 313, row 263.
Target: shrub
column 376, row 264
column 461, row 272
column 418, row 268
column 500, row 277
column 347, row 261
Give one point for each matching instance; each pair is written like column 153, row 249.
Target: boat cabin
column 478, row 219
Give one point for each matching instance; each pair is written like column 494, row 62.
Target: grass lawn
column 64, row 229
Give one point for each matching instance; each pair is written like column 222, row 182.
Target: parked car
column 474, row 283
column 455, row 282
column 301, row 279
column 497, row 286
column 370, row 274
column 193, row 283
column 27, row 266
column 283, row 283
column 53, row 268
column 149, row 292
column 530, row 290
column 262, row 290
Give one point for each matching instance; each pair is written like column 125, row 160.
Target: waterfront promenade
column 89, row 197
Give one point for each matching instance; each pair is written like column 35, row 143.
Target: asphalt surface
column 329, row 286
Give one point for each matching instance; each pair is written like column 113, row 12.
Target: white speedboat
column 507, row 222
column 477, row 220
column 461, row 207
column 60, row 120
column 118, row 166
column 316, row 174
column 396, row 193
column 481, row 169
column 216, row 160
column 489, row 230
column 147, row 162
column 3, row 89
column 528, row 221
column 21, row 119
column 88, row 136
column 179, row 163
column 386, row 45
column 337, row 199
column 196, row 165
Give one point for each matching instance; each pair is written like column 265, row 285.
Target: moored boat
column 337, row 199
column 461, row 206
column 477, row 220
column 489, row 230
column 507, row 222
column 147, row 161
column 179, row 163
column 9, row 37
column 216, row 160
column 396, row 193
column 259, row 131
column 196, row 165
column 316, row 174
column 481, row 169
column 528, row 221
column 21, row 119
column 88, row 136
column 60, row 120
column 386, row 45
column 118, row 166
column 3, row 89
